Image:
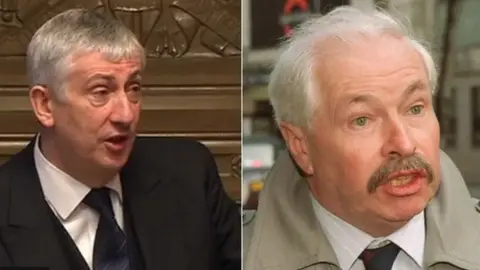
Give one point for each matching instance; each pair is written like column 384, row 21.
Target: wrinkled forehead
column 89, row 62
column 89, row 68
column 386, row 61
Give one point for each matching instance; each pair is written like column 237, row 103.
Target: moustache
column 398, row 164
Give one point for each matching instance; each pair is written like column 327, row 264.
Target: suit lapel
column 155, row 211
column 29, row 234
column 136, row 259
column 68, row 246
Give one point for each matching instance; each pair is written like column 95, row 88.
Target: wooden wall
column 192, row 80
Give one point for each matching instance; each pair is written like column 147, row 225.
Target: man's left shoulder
column 167, row 152
column 145, row 143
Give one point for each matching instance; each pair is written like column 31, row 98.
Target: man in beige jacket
column 352, row 94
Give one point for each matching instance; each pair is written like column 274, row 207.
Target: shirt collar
column 62, row 191
column 348, row 242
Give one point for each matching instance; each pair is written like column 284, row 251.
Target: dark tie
column 380, row 258
column 110, row 248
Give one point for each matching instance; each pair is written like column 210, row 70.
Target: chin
column 115, row 159
column 114, row 165
column 406, row 208
column 114, row 162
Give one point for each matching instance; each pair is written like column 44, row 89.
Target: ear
column 42, row 105
column 297, row 144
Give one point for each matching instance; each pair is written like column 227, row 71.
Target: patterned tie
column 110, row 248
column 380, row 258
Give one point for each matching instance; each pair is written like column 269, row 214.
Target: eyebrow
column 102, row 77
column 414, row 87
column 134, row 76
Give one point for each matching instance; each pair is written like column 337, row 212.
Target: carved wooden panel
column 192, row 79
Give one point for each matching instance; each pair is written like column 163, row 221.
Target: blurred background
column 447, row 25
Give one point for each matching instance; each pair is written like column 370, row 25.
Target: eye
column 134, row 93
column 135, row 87
column 415, row 110
column 100, row 96
column 101, row 92
column 360, row 121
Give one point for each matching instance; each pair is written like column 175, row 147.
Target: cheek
column 67, row 121
column 91, row 121
column 427, row 142
column 362, row 155
column 359, row 167
column 137, row 109
column 348, row 161
column 427, row 131
column 86, row 122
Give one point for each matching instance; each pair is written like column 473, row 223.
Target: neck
column 82, row 171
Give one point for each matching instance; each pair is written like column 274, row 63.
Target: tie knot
column 380, row 258
column 99, row 200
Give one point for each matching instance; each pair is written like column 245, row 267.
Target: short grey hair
column 75, row 32
column 291, row 89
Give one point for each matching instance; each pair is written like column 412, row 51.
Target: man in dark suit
column 86, row 193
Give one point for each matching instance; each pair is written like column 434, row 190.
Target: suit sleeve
column 225, row 217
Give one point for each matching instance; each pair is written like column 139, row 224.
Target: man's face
column 373, row 150
column 97, row 120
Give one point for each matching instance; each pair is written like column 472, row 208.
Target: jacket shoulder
column 175, row 155
column 170, row 148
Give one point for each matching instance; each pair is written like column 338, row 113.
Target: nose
column 398, row 141
column 123, row 113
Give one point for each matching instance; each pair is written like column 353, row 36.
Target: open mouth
column 405, row 183
column 404, row 177
column 118, row 141
column 401, row 180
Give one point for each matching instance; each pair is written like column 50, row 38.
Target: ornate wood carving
column 205, row 28
column 192, row 78
column 181, row 27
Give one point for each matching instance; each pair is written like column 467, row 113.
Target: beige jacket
column 285, row 234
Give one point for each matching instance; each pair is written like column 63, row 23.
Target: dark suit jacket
column 179, row 211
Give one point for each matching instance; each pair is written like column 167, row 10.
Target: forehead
column 383, row 62
column 93, row 63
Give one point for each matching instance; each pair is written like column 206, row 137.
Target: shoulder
column 170, row 148
column 19, row 162
column 152, row 143
column 174, row 155
column 13, row 174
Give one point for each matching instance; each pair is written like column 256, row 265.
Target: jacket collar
column 286, row 234
column 285, row 222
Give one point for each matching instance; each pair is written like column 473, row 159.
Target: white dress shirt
column 349, row 242
column 64, row 194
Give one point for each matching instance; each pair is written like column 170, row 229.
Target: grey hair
column 75, row 32
column 291, row 88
